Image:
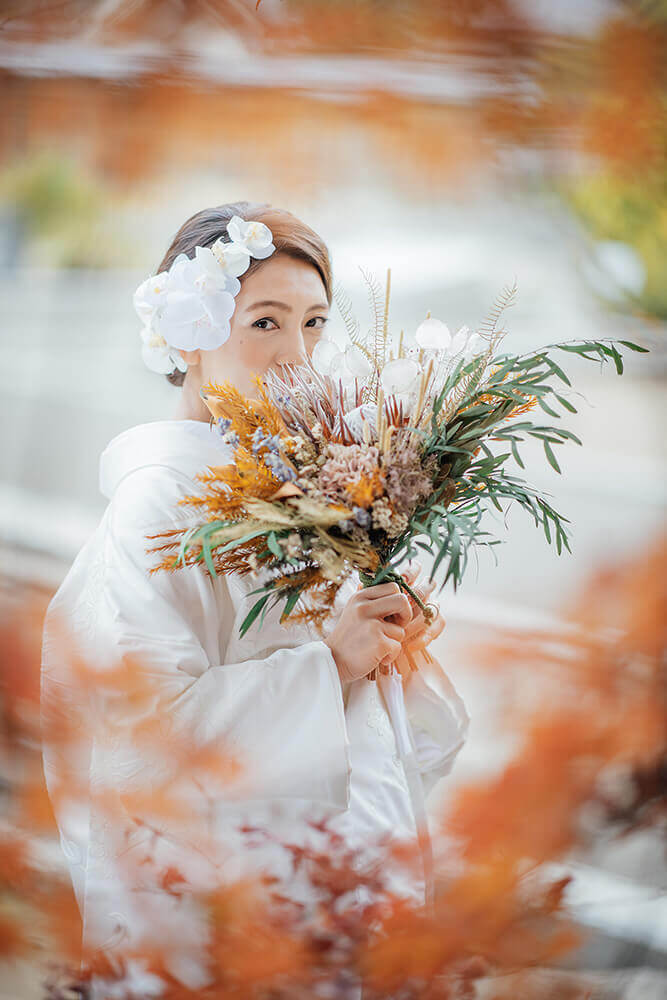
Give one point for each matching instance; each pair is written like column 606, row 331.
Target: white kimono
column 360, row 756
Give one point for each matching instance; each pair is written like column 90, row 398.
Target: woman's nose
column 293, row 350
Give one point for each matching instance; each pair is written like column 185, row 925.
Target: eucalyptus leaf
column 252, row 614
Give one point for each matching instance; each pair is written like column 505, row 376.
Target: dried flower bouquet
column 370, row 451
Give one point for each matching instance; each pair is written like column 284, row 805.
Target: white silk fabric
column 360, row 756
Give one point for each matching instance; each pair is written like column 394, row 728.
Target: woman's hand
column 418, row 632
column 418, row 626
column 370, row 630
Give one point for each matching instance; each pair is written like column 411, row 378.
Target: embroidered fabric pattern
column 87, row 610
column 377, row 719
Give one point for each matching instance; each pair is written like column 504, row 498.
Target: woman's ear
column 191, row 358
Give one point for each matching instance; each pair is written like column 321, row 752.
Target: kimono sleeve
column 280, row 716
column 438, row 719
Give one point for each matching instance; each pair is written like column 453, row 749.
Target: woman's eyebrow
column 283, row 305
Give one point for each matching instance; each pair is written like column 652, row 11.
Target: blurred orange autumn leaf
column 600, row 707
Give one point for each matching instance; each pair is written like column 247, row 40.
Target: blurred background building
column 463, row 145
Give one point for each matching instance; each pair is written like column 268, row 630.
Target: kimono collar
column 187, row 446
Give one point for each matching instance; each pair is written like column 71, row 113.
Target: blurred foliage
column 61, row 210
column 621, row 193
column 435, row 93
column 591, row 765
column 632, row 210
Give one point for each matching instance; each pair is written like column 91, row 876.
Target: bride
column 316, row 737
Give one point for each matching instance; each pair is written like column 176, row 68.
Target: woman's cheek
column 255, row 356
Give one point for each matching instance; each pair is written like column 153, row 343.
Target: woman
column 317, row 739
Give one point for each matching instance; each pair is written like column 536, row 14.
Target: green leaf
column 289, row 604
column 545, row 406
column 263, row 589
column 566, row 403
column 583, row 350
column 571, row 435
column 276, row 598
column 252, row 614
column 272, row 543
column 634, row 347
column 494, row 500
column 207, row 556
column 550, row 455
column 515, row 452
column 618, row 361
column 238, row 541
column 557, row 370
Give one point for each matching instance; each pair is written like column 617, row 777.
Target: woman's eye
column 267, row 319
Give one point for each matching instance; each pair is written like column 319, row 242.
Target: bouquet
column 371, row 450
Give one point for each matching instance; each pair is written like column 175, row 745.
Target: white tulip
column 399, row 376
column 460, row 340
column 476, row 345
column 356, row 362
column 433, row 333
column 323, row 355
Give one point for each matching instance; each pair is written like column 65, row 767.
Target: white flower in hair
column 232, row 258
column 255, row 236
column 197, row 306
column 150, row 295
column 190, row 305
column 158, row 355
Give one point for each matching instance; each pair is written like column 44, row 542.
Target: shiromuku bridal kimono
column 361, row 756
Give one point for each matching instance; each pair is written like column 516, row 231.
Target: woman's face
column 278, row 318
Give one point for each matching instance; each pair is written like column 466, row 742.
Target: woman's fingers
column 425, row 588
column 394, row 631
column 415, row 628
column 391, row 650
column 380, row 590
column 436, row 627
column 401, row 617
column 394, row 604
column 431, row 632
column 411, row 572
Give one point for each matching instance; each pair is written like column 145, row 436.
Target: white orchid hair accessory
column 190, row 305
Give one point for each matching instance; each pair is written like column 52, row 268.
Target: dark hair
column 291, row 236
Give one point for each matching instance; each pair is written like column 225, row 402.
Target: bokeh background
column 463, row 144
